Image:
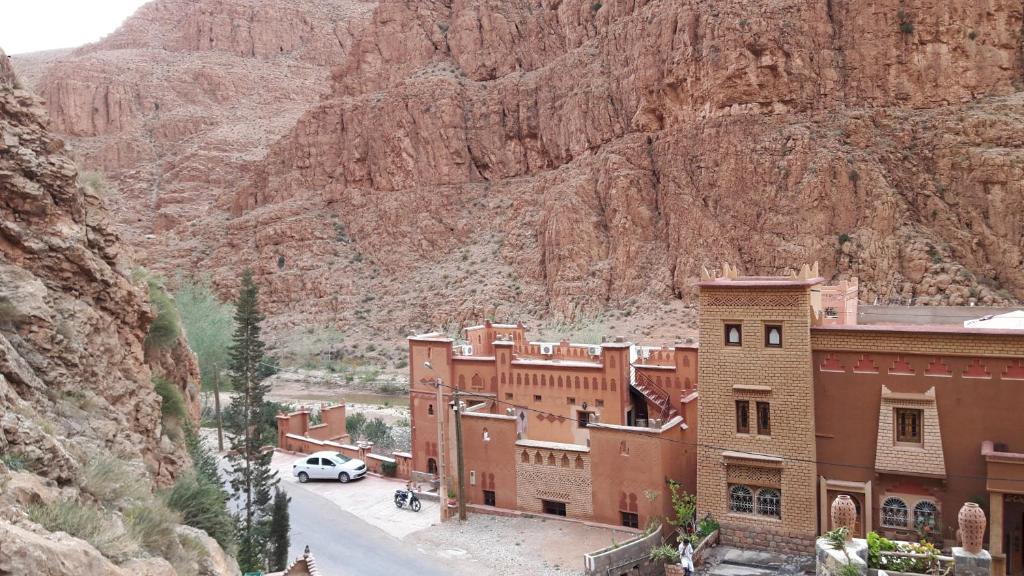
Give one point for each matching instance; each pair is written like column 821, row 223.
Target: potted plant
column 670, row 557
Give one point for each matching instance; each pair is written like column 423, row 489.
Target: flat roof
column 925, row 328
column 760, row 282
column 431, row 337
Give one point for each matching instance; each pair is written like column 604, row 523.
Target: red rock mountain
column 523, row 158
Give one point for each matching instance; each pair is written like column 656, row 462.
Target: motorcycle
column 408, row 498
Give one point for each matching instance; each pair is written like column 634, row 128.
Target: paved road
column 344, row 545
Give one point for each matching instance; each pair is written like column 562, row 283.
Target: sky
column 33, row 25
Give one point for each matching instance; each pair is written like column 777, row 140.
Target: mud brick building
column 797, row 404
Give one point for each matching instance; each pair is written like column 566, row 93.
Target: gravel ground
column 514, row 546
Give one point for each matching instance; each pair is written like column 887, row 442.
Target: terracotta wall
column 978, row 399
column 630, row 470
column 492, row 460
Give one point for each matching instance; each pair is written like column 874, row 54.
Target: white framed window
column 894, row 513
column 926, row 514
column 741, row 499
column 769, row 502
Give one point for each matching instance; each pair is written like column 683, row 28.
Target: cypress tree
column 280, row 525
column 251, row 446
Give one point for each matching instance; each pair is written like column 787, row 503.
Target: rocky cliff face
column 74, row 380
column 524, row 158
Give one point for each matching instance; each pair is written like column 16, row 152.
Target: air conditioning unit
column 547, row 349
column 467, row 350
column 594, row 350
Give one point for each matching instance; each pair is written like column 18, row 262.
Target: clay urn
column 844, row 514
column 972, row 527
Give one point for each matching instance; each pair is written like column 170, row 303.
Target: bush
column 14, row 462
column 113, row 482
column 85, row 521
column 166, row 327
column 152, row 524
column 664, row 553
column 354, row 424
column 172, row 405
column 389, row 469
column 378, row 432
column 202, row 504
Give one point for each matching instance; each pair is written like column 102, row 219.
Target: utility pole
column 442, row 486
column 459, row 457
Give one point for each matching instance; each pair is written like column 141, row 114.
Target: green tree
column 354, row 424
column 280, row 525
column 378, row 432
column 207, row 323
column 251, row 477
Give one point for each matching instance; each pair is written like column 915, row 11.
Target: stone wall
column 627, row 558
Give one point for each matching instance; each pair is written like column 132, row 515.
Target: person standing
column 686, row 556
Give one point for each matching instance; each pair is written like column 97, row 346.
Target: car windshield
column 341, row 457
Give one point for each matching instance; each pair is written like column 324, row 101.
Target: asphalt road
column 344, row 545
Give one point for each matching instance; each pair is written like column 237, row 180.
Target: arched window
column 525, row 458
column 551, row 459
column 579, row 462
column 741, row 500
column 537, row 458
column 926, row 514
column 462, row 381
column 486, row 435
column 769, row 502
column 559, row 381
column 502, row 377
column 577, row 381
column 430, row 409
column 477, row 381
column 894, row 513
column 773, row 336
column 431, row 466
column 565, row 461
column 519, row 379
column 733, row 335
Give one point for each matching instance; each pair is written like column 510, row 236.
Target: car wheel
column 415, row 506
column 343, row 477
column 303, row 477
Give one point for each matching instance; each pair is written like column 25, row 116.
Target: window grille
column 769, row 502
column 741, row 499
column 926, row 514
column 894, row 513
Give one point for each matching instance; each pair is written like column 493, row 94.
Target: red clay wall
column 493, row 461
column 971, row 410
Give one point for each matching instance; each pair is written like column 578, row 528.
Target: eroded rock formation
column 74, row 379
column 528, row 157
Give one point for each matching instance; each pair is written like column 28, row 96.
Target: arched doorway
column 432, row 466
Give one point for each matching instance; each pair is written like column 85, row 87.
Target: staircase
column 655, row 394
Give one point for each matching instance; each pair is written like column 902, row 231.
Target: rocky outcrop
column 604, row 151
column 564, row 157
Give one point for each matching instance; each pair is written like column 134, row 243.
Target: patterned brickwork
column 559, row 475
column 935, row 344
column 890, row 456
column 788, row 372
column 754, row 476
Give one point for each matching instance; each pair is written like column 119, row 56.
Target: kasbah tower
column 756, row 409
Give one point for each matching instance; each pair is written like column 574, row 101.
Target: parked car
column 329, row 466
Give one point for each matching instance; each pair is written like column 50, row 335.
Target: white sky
column 33, row 25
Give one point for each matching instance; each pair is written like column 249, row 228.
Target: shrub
column 906, row 25
column 595, row 6
column 85, row 521
column 202, row 504
column 8, row 312
column 280, row 261
column 166, row 327
column 172, row 405
column 113, row 482
column 664, row 553
column 152, row 524
column 844, row 238
column 389, row 469
column 683, row 503
column 378, row 432
column 14, row 462
column 354, row 424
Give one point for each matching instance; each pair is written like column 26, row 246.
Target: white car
column 329, row 466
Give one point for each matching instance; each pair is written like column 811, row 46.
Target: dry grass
column 113, row 482
column 88, row 522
